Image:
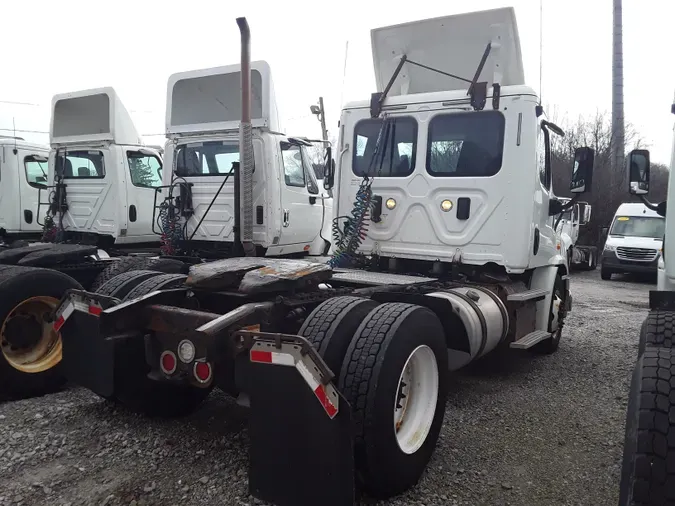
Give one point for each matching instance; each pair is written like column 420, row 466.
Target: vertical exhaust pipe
column 246, row 142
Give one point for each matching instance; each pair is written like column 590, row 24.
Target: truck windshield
column 211, row 158
column 638, row 226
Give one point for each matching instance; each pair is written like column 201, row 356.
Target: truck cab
column 102, row 175
column 569, row 227
column 23, row 171
column 202, row 124
column 449, row 176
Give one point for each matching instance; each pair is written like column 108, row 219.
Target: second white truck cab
column 203, row 115
column 102, row 176
column 23, row 171
column 569, row 227
column 634, row 241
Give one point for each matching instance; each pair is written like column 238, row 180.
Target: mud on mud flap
column 301, row 451
column 88, row 358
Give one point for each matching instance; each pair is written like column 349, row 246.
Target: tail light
column 167, row 362
column 202, row 372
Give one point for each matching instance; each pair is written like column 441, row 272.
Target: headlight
column 610, row 247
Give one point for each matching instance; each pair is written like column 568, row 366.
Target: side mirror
column 605, row 230
column 638, row 172
column 587, row 214
column 328, row 170
column 582, row 171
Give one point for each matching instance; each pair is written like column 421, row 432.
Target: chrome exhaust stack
column 246, row 143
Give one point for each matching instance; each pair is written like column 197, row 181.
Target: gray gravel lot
column 520, row 430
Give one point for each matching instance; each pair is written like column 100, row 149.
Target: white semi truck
column 101, row 173
column 648, row 470
column 346, row 370
column 87, row 196
column 290, row 214
column 23, row 171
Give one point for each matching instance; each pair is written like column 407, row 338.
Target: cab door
column 32, row 176
column 301, row 206
column 144, row 174
column 9, row 208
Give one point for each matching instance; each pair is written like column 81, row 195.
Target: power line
column 11, row 102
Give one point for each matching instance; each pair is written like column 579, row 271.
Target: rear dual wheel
column 394, row 373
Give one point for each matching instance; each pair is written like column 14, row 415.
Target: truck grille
column 636, row 254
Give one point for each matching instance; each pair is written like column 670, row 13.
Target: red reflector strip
column 59, row 323
column 264, row 357
column 328, row 406
column 65, row 314
column 95, row 310
column 272, row 357
column 318, row 389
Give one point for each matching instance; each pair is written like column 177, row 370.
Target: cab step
column 536, row 294
column 530, row 339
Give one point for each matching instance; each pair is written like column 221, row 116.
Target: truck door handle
column 132, row 213
column 287, row 217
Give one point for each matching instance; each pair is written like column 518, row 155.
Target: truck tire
column 594, row 261
column 139, row 393
column 396, row 422
column 134, row 263
column 331, row 326
column 30, row 351
column 122, row 284
column 161, row 282
column 551, row 344
column 605, row 274
column 648, row 469
column 657, row 331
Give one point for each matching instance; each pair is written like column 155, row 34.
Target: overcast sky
column 67, row 45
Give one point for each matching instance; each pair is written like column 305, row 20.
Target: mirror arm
column 653, row 207
column 566, row 207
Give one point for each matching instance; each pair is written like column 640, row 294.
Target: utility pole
column 618, row 133
column 320, row 113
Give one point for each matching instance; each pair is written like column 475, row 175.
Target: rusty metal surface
column 175, row 320
column 257, row 275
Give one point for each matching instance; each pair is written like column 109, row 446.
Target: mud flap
column 299, row 455
column 88, row 358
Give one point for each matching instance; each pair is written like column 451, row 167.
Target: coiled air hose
column 355, row 229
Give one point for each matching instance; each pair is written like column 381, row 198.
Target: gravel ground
column 521, row 430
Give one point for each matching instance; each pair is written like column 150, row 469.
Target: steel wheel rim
column 416, row 399
column 46, row 352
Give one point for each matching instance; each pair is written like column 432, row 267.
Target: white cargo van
column 634, row 241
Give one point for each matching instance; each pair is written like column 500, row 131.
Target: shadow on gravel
column 217, row 416
column 500, row 365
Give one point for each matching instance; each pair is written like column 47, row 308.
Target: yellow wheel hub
column 28, row 340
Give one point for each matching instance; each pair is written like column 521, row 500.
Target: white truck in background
column 289, row 213
column 346, row 370
column 101, row 175
column 569, row 227
column 23, row 171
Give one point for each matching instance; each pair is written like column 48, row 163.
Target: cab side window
column 294, row 171
column 544, row 158
column 145, row 170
